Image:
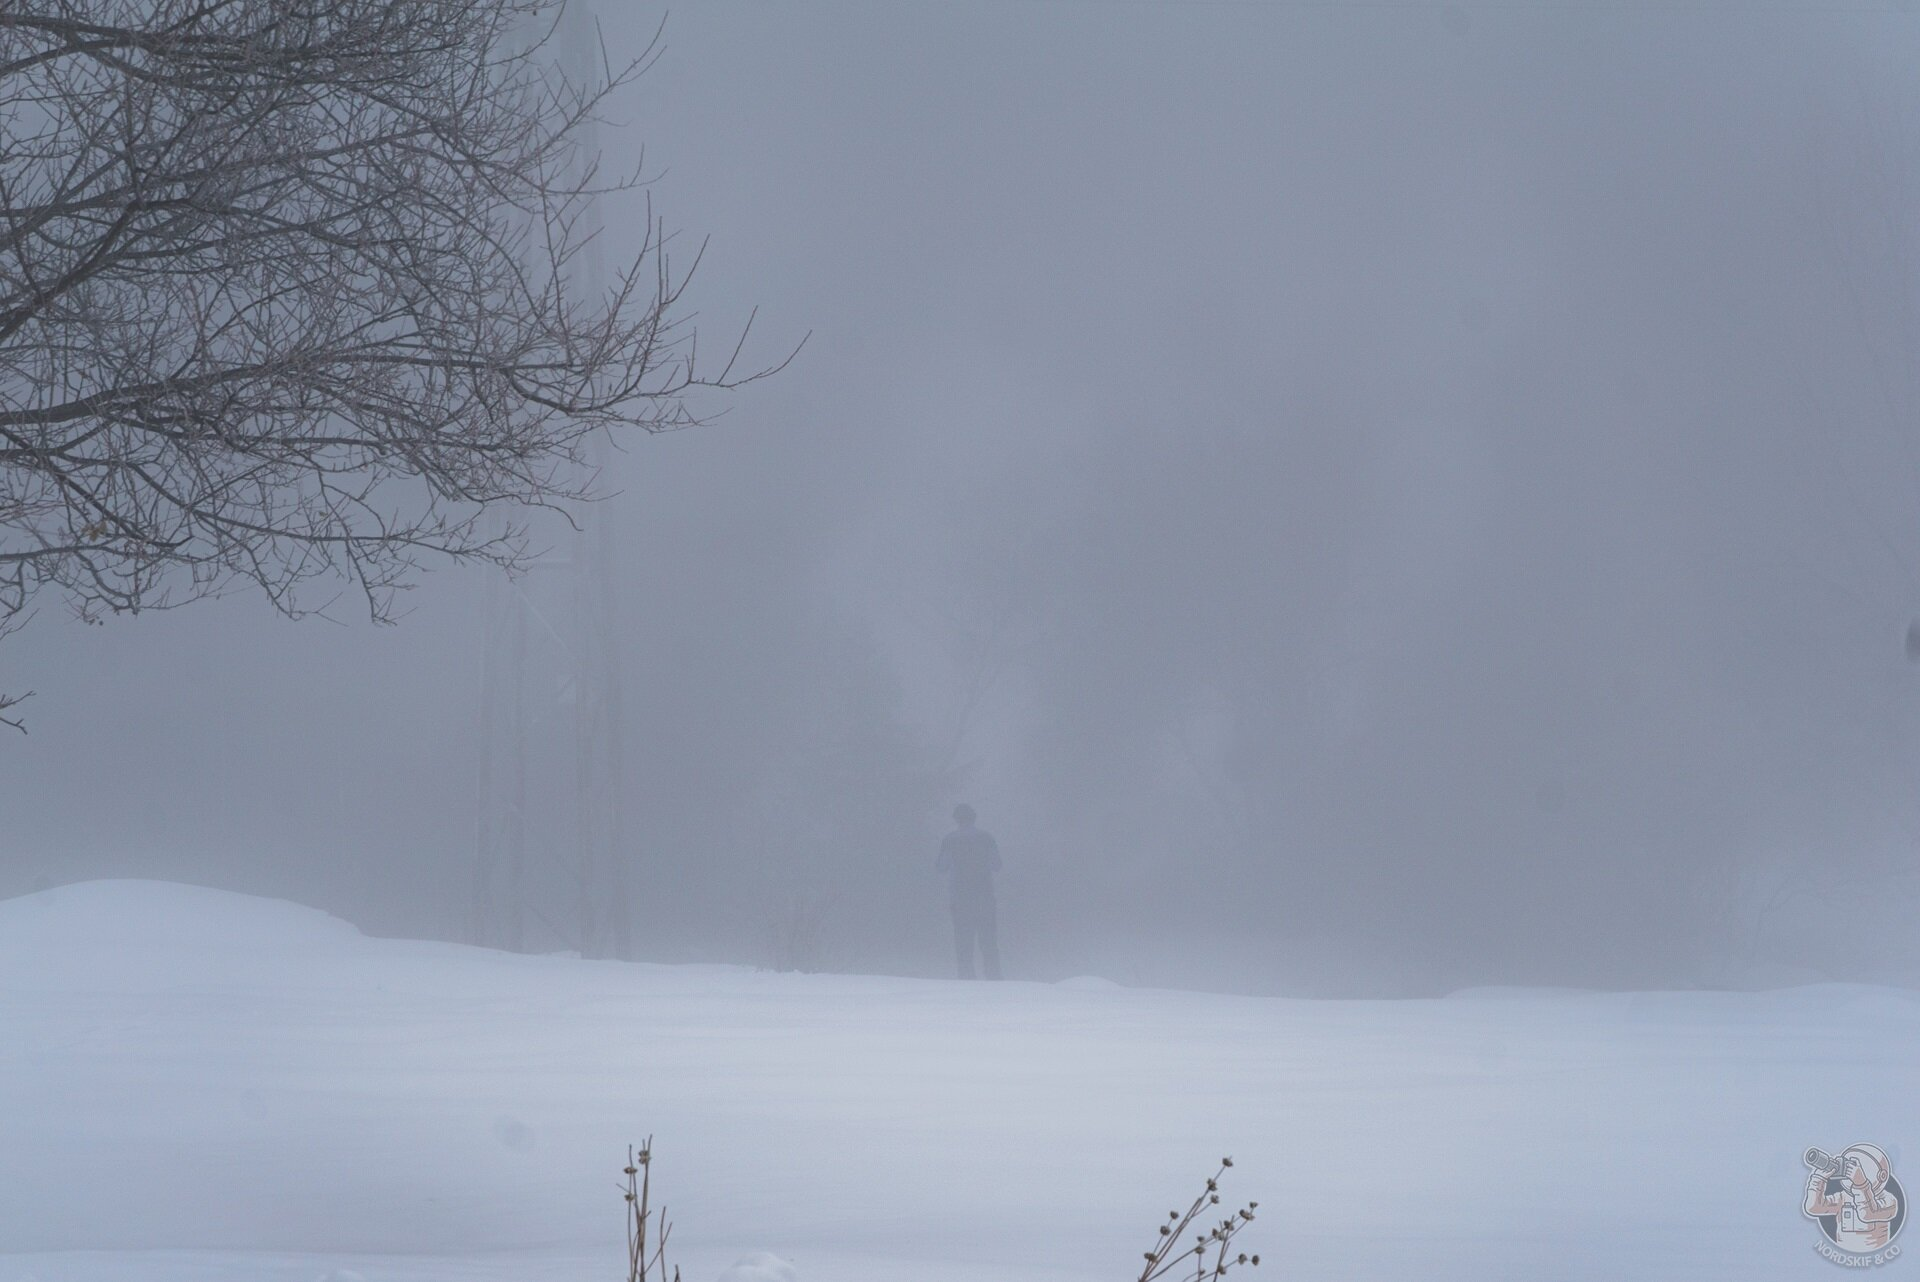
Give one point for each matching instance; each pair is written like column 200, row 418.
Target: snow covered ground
column 200, row 1085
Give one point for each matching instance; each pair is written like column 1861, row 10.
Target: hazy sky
column 1364, row 498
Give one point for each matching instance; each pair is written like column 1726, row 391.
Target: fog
column 1364, row 499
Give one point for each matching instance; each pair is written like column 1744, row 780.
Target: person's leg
column 989, row 929
column 963, row 945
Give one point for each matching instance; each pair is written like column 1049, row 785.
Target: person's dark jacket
column 969, row 857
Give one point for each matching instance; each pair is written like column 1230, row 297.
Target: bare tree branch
column 290, row 290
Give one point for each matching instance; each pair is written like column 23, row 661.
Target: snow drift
column 204, row 1085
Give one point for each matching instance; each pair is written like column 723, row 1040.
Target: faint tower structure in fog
column 585, row 881
column 537, row 864
column 604, row 910
column 500, row 863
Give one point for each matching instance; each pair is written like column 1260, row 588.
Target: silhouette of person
column 969, row 857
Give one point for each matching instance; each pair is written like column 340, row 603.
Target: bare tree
column 289, row 291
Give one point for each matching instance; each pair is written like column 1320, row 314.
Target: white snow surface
column 197, row 1085
column 761, row 1266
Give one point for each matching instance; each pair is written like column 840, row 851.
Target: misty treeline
column 295, row 292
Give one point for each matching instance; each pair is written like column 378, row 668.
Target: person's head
column 963, row 815
column 1866, row 1167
